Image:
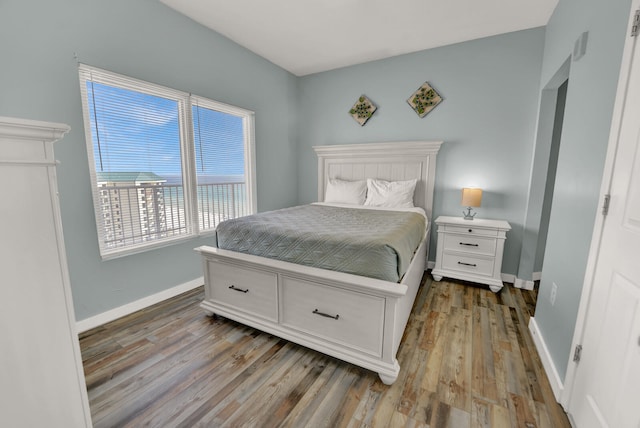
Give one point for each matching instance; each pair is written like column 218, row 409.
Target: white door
column 606, row 389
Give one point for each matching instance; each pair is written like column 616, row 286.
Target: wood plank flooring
column 467, row 360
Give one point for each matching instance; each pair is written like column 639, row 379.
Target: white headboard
column 387, row 161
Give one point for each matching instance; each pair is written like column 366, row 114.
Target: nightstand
column 471, row 250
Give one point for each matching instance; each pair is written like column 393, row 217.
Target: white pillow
column 397, row 194
column 345, row 192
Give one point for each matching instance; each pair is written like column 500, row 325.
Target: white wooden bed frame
column 356, row 319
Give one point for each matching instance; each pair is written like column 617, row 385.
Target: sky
column 133, row 131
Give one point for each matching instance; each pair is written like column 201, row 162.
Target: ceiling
column 306, row 37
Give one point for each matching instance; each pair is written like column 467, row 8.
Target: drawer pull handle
column 322, row 314
column 468, row 264
column 233, row 287
column 468, row 245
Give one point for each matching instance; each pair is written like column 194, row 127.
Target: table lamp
column 471, row 197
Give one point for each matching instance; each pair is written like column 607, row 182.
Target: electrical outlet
column 554, row 292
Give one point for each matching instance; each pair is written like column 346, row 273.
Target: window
column 165, row 165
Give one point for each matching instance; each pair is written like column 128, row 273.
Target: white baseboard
column 129, row 308
column 507, row 277
column 523, row 283
column 550, row 368
column 536, row 276
column 431, row 265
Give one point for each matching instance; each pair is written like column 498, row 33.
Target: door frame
column 539, row 175
column 596, row 238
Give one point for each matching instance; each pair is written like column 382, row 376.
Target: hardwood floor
column 467, row 361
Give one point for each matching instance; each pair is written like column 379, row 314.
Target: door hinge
column 577, row 354
column 605, row 205
column 635, row 23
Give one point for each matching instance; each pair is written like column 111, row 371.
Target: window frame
column 185, row 102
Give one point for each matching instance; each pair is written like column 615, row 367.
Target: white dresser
column 471, row 250
column 41, row 376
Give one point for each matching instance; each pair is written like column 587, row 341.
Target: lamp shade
column 471, row 197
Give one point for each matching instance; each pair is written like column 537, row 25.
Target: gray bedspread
column 373, row 243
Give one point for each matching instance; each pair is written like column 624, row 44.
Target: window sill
column 146, row 247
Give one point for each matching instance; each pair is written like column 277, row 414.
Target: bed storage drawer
column 347, row 318
column 250, row 290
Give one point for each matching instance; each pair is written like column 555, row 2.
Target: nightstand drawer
column 470, row 230
column 470, row 244
column 469, row 264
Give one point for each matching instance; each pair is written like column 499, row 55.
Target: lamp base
column 468, row 215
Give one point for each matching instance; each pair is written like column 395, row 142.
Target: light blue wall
column 146, row 40
column 588, row 111
column 487, row 120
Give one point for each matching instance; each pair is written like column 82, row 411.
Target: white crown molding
column 407, row 147
column 25, row 129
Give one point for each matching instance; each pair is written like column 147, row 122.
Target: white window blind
column 164, row 164
column 219, row 157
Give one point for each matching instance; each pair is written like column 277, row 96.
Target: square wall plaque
column 362, row 110
column 424, row 99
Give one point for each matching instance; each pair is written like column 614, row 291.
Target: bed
column 351, row 317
